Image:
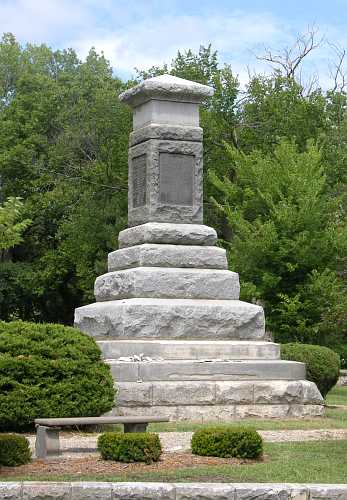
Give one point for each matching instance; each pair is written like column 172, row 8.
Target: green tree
column 12, row 224
column 288, row 240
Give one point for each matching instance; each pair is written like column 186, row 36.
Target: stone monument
column 167, row 315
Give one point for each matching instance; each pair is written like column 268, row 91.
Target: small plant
column 130, row 446
column 14, row 450
column 322, row 363
column 227, row 441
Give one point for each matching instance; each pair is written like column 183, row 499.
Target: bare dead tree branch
column 337, row 71
column 289, row 60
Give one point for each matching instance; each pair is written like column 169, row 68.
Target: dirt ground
column 94, row 465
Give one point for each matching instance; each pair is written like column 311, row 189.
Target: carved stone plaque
column 139, row 180
column 176, row 178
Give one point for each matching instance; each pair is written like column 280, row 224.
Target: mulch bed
column 94, row 465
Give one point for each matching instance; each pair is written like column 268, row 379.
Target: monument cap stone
column 166, row 87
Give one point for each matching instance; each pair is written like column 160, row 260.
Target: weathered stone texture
column 46, row 491
column 166, row 87
column 165, row 132
column 156, row 154
column 172, row 319
column 190, row 349
column 191, row 392
column 175, row 283
column 152, row 255
column 214, row 370
column 143, row 491
column 91, row 491
column 173, row 234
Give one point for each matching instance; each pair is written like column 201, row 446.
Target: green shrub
column 130, row 446
column 14, row 450
column 227, row 441
column 322, row 364
column 50, row 370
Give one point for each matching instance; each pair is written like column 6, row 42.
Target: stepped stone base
column 222, row 413
column 172, row 319
column 187, row 370
column 212, row 393
column 163, row 282
column 189, row 349
column 179, row 256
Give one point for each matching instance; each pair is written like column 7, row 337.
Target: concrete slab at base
column 176, row 234
column 190, row 349
column 165, row 283
column 172, row 319
column 152, row 255
column 206, row 370
column 222, row 413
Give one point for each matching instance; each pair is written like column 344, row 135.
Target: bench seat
column 47, row 429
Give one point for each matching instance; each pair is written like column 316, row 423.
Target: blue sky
column 143, row 33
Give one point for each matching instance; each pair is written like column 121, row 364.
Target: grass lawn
column 337, row 396
column 310, row 462
column 333, row 419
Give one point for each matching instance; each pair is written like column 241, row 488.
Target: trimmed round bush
column 14, row 450
column 130, row 446
column 322, row 363
column 227, row 442
column 49, row 370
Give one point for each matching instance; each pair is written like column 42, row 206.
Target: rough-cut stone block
column 277, row 391
column 143, row 491
column 91, row 491
column 148, row 255
column 234, row 392
column 10, row 491
column 188, row 413
column 205, row 491
column 215, row 370
column 261, row 411
column 328, row 492
column 184, row 393
column 46, row 491
column 166, row 283
column 270, row 492
column 305, row 410
column 218, row 413
column 172, row 319
column 174, row 234
column 166, row 132
column 165, row 182
column 222, row 393
column 189, row 349
column 134, row 394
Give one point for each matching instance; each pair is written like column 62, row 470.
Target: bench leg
column 135, row 427
column 47, row 441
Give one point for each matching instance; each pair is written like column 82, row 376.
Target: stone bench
column 47, row 429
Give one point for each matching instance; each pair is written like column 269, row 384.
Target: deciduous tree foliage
column 275, row 162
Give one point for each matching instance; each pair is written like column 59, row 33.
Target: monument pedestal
column 167, row 315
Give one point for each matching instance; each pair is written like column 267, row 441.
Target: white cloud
column 154, row 41
column 140, row 34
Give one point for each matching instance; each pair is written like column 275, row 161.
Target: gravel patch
column 75, row 444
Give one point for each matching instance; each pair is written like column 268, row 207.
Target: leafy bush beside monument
column 322, row 363
column 49, row 370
